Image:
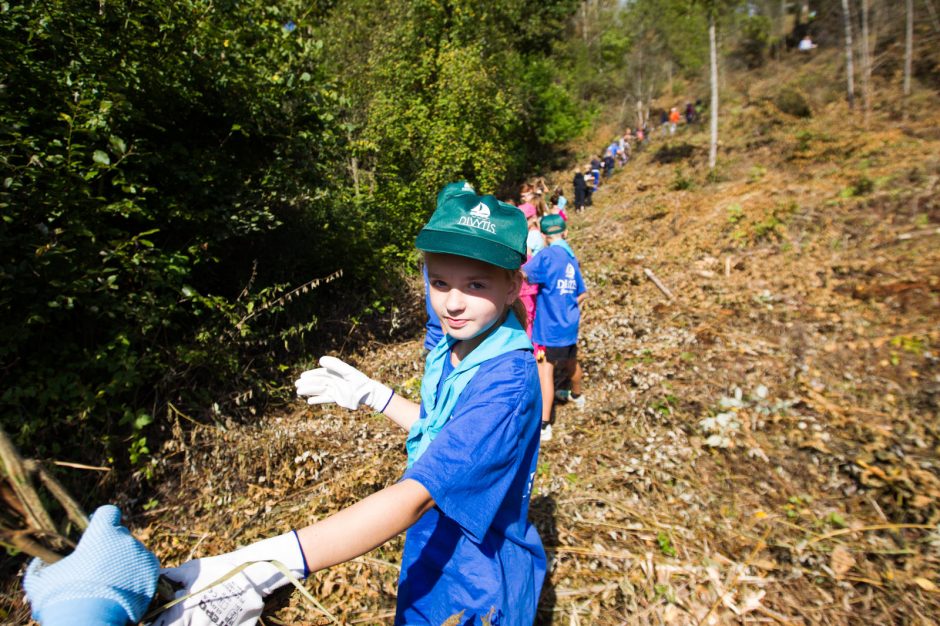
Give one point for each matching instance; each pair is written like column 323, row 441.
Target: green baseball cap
column 451, row 189
column 477, row 227
column 553, row 224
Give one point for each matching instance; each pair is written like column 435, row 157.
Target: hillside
column 762, row 447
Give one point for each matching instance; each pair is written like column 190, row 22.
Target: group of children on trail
column 587, row 180
column 471, row 555
column 669, row 120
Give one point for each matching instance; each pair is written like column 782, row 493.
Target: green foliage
column 756, row 173
column 910, row 343
column 431, row 99
column 792, row 102
column 175, row 173
column 768, row 228
column 150, row 155
column 665, row 405
column 754, row 40
column 555, row 114
column 681, row 181
column 665, row 544
column 862, row 185
column 629, row 51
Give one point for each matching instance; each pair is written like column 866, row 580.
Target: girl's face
column 469, row 296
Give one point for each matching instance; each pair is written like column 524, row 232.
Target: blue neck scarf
column 563, row 244
column 438, row 410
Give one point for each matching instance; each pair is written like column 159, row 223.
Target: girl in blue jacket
column 472, row 448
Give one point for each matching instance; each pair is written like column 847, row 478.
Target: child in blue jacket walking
column 556, row 271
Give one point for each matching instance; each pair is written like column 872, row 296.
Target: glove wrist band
column 303, row 556
column 389, row 401
column 284, row 548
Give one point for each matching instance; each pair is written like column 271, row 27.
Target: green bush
column 151, row 158
column 172, row 170
column 754, row 40
column 681, row 181
column 792, row 102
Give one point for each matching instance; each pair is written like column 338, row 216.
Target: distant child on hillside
column 559, row 200
column 674, row 118
column 627, row 148
column 561, row 291
column 534, row 243
column 580, row 190
column 609, row 164
column 596, row 174
column 527, row 201
column 555, row 207
column 540, row 190
column 472, row 444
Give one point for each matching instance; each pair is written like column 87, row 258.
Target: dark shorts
column 563, row 353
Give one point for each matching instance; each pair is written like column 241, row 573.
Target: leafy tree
column 171, row 170
column 149, row 155
column 438, row 91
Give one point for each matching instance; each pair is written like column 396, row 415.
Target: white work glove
column 335, row 381
column 239, row 600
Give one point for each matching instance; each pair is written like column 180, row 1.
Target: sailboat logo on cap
column 479, row 218
column 481, row 210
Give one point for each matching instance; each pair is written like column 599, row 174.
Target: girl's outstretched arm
column 402, row 411
column 365, row 525
column 338, row 538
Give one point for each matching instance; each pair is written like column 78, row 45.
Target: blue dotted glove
column 108, row 580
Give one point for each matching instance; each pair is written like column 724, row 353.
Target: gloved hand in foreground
column 107, row 581
column 336, row 381
column 239, row 600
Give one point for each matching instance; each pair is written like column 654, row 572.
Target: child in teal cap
column 472, row 446
column 556, row 271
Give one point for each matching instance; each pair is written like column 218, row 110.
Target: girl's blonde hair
column 540, row 189
column 517, row 307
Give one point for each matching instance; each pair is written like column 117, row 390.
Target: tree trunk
column 908, row 52
column 713, row 58
column 865, row 45
column 933, row 16
column 584, row 35
column 849, row 70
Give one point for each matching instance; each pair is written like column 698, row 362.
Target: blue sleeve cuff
column 85, row 611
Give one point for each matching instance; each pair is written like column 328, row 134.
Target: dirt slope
column 763, row 447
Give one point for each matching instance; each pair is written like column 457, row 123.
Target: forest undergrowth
column 762, row 447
